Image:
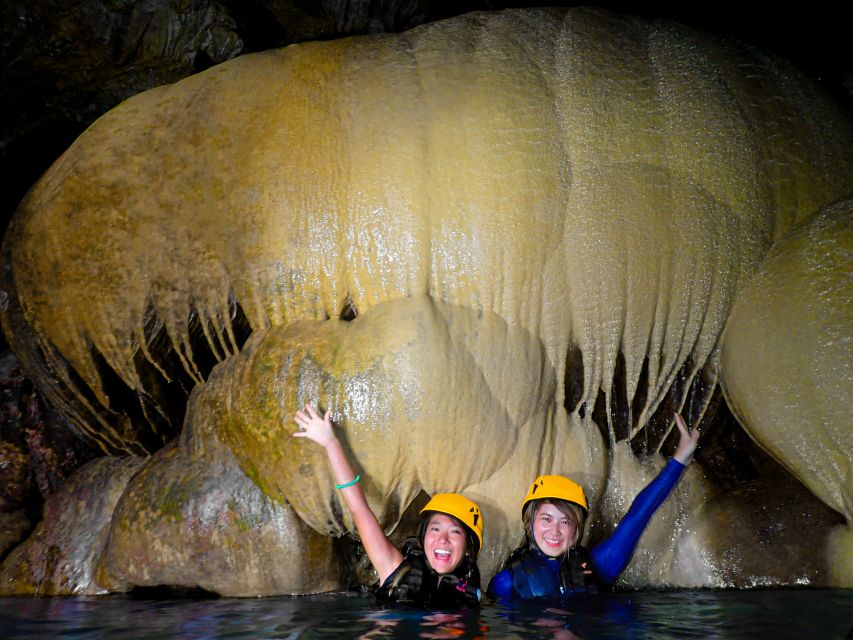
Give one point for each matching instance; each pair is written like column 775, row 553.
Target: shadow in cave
column 157, row 415
column 728, row 455
column 169, row 592
column 144, row 420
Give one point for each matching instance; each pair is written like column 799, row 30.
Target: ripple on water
column 647, row 615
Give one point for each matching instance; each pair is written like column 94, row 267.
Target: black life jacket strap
column 415, row 582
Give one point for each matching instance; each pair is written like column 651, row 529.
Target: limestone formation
column 192, row 519
column 61, row 555
column 465, row 240
column 787, row 361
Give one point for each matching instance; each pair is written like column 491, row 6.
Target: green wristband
column 348, row 484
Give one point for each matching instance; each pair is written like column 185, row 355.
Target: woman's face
column 444, row 543
column 553, row 531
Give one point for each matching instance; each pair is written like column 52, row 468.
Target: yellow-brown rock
column 483, row 195
column 592, row 178
column 391, row 378
column 787, row 362
column 191, row 518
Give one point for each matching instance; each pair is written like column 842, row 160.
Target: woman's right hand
column 313, row 427
column 383, row 555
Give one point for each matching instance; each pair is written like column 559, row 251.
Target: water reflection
column 425, row 624
column 659, row 615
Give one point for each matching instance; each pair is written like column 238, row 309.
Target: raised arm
column 687, row 441
column 610, row 557
column 383, row 555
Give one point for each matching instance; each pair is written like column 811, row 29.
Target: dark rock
column 770, row 532
column 13, row 527
column 38, row 451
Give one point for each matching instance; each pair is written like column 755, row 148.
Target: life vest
column 415, row 583
column 534, row 574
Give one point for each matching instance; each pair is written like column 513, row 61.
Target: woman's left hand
column 687, row 442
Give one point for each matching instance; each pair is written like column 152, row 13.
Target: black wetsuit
column 415, row 583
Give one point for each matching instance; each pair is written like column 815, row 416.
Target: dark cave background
column 63, row 63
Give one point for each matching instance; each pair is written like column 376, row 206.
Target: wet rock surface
column 186, row 518
column 786, row 359
column 771, row 532
column 192, row 519
column 60, row 557
column 63, row 64
column 155, row 538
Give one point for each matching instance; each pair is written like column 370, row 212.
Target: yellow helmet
column 558, row 487
column 461, row 508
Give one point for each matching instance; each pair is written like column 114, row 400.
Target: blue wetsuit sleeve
column 610, row 557
column 501, row 585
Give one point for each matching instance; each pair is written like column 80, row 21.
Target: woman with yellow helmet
column 550, row 564
column 439, row 569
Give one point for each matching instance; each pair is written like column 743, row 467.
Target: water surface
column 820, row 614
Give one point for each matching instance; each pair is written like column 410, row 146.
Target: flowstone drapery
column 461, row 239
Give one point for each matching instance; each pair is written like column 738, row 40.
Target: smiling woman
column 549, row 564
column 555, row 528
column 556, row 210
column 444, row 542
column 439, row 569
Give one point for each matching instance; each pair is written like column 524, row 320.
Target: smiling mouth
column 553, row 543
column 441, row 554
